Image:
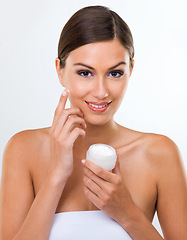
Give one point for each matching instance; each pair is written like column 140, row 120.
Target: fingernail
column 83, row 161
column 64, row 93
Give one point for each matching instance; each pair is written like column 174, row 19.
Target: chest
column 135, row 169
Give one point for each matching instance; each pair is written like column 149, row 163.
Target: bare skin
column 43, row 173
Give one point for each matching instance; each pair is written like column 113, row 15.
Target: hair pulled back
column 93, row 24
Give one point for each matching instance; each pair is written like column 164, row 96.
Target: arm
column 172, row 193
column 23, row 215
column 105, row 190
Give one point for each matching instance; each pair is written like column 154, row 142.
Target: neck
column 105, row 133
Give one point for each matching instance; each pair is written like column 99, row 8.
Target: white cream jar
column 103, row 155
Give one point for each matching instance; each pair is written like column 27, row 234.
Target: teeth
column 98, row 106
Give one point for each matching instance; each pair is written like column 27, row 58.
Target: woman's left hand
column 108, row 191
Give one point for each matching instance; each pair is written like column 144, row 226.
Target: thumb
column 116, row 169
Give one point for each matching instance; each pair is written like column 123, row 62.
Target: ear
column 131, row 67
column 59, row 71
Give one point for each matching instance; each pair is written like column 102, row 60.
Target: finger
column 71, row 122
column 60, row 106
column 116, row 169
column 89, row 183
column 99, row 181
column 92, row 197
column 64, row 117
column 99, row 171
column 74, row 135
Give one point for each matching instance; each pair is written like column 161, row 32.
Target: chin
column 97, row 120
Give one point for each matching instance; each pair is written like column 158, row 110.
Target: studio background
column 29, row 88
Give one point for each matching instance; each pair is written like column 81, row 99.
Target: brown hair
column 93, row 24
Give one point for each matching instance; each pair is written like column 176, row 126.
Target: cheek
column 73, row 84
column 77, row 91
column 120, row 89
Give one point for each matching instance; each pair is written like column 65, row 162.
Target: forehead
column 108, row 53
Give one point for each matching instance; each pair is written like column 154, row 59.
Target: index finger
column 99, row 171
column 61, row 105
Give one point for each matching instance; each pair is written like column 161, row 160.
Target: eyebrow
column 84, row 65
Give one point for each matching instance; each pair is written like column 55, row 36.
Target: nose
column 100, row 90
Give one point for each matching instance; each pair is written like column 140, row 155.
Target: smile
column 98, row 107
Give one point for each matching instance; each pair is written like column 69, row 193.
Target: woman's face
column 96, row 76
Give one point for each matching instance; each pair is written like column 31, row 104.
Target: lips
column 98, row 107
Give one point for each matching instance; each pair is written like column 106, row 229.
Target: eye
column 85, row 73
column 116, row 74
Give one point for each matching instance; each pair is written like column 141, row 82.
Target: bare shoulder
column 161, row 149
column 29, row 136
column 21, row 151
column 154, row 145
column 156, row 149
column 171, row 182
column 162, row 154
column 24, row 144
column 159, row 142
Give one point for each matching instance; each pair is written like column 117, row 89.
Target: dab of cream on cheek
column 103, row 155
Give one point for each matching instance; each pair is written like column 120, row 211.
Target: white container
column 103, row 155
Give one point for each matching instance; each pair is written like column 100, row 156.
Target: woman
column 50, row 191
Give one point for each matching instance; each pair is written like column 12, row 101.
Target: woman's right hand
column 62, row 137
